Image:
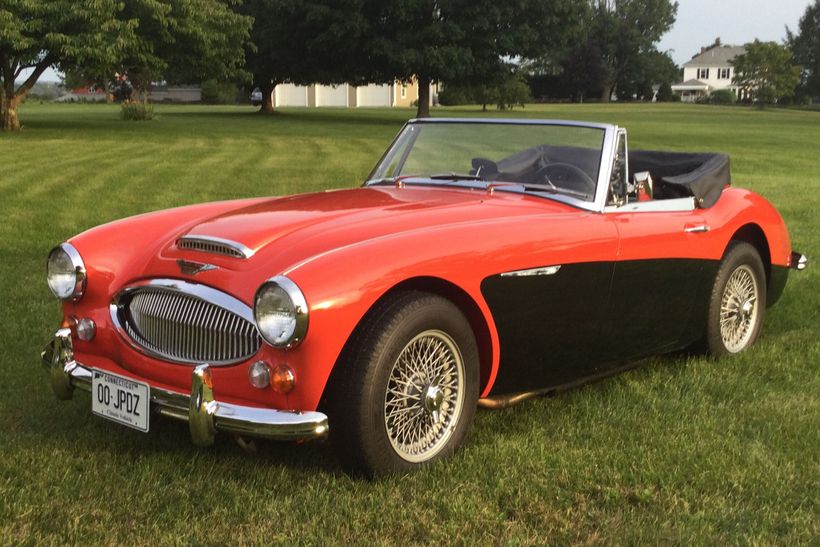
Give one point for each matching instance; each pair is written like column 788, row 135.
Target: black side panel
column 777, row 282
column 549, row 325
column 654, row 305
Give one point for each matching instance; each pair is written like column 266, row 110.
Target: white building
column 707, row 72
column 346, row 95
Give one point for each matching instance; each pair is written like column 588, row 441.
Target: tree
column 506, row 92
column 305, row 42
column 35, row 35
column 620, row 35
column 805, row 48
column 765, row 72
column 194, row 39
column 184, row 41
column 649, row 68
column 462, row 40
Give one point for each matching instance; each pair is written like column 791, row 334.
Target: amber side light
column 208, row 379
column 282, row 378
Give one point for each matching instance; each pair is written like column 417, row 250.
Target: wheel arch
column 448, row 290
column 754, row 235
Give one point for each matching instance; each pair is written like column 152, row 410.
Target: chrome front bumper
column 205, row 415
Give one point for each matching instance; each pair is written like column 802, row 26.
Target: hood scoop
column 214, row 245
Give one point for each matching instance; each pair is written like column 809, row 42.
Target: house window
column 703, row 74
column 403, row 91
column 724, row 73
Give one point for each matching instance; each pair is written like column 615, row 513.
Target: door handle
column 698, row 229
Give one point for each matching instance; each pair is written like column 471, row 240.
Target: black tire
column 743, row 325
column 366, row 441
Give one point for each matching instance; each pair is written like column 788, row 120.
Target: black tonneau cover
column 683, row 174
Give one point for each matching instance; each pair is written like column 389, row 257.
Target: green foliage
column 464, row 40
column 720, row 96
column 505, row 93
column 215, row 92
column 805, row 47
column 35, row 35
column 334, row 41
column 306, row 41
column 765, row 73
column 665, row 94
column 618, row 49
column 454, row 94
column 136, row 111
column 183, row 41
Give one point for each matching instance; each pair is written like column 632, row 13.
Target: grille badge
column 192, row 268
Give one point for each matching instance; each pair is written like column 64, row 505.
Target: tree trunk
column 267, row 98
column 11, row 99
column 606, row 94
column 9, row 121
column 423, row 110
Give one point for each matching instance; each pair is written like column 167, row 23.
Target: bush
column 453, row 95
column 721, row 96
column 214, row 92
column 665, row 94
column 136, row 111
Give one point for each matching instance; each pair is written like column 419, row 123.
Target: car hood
column 284, row 233
column 297, row 227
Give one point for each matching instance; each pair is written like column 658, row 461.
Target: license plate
column 120, row 399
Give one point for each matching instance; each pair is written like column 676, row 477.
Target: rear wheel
column 738, row 301
column 407, row 393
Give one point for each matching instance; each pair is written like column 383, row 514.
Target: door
column 658, row 282
column 551, row 311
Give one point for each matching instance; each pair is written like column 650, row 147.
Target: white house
column 708, row 71
column 347, row 95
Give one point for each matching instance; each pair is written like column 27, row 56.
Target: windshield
column 553, row 158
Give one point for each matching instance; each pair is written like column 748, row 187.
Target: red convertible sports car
column 483, row 262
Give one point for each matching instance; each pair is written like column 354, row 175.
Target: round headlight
column 66, row 272
column 281, row 312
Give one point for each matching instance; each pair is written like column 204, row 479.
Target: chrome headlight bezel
column 299, row 312
column 75, row 290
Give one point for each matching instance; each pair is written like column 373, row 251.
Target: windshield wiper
column 454, row 176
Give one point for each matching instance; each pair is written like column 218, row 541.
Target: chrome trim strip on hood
column 232, row 248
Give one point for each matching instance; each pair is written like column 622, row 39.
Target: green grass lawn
column 682, row 450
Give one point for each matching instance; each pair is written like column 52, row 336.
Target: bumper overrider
column 205, row 415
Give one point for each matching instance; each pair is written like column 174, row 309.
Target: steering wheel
column 566, row 175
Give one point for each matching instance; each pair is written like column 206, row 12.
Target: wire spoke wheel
column 739, row 309
column 424, row 396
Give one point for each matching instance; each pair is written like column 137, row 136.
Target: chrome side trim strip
column 206, row 416
column 239, row 248
column 544, row 270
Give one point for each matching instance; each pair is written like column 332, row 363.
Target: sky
column 736, row 22
column 699, row 22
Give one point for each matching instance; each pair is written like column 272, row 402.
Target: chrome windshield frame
column 604, row 170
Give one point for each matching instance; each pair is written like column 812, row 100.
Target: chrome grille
column 181, row 327
column 214, row 246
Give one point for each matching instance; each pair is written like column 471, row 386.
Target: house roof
column 716, row 56
column 690, row 84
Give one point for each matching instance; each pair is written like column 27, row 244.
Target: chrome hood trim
column 214, row 245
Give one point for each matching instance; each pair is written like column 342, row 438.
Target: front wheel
column 738, row 301
column 407, row 393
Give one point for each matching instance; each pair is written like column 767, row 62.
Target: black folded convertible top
column 683, row 174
